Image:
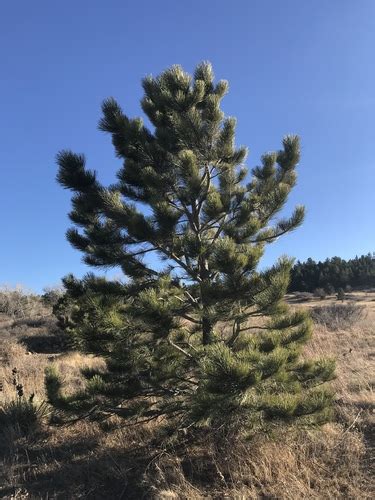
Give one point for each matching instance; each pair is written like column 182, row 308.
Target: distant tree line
column 333, row 274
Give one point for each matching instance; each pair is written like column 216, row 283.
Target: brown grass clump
column 111, row 460
column 293, row 465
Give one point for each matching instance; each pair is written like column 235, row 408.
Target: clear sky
column 293, row 66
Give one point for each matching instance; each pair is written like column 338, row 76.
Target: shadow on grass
column 45, row 343
column 73, row 469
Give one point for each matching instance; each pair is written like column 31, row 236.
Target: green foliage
column 333, row 274
column 340, row 294
column 189, row 338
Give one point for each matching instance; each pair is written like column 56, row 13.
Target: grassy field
column 110, row 460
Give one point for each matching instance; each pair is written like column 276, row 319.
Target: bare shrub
column 10, row 352
column 338, row 316
column 51, row 295
column 320, row 293
column 18, row 303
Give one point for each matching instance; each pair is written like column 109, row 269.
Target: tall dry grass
column 110, row 460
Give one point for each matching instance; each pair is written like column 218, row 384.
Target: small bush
column 21, row 413
column 52, row 295
column 17, row 303
column 338, row 316
column 320, row 292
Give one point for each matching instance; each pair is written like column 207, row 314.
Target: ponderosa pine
column 197, row 333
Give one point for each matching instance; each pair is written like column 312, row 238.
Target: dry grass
column 338, row 316
column 365, row 298
column 108, row 460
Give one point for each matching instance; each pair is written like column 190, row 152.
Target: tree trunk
column 207, row 325
column 208, row 331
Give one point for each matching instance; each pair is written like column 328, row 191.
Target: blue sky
column 293, row 67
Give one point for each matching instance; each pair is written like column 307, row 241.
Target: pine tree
column 201, row 334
